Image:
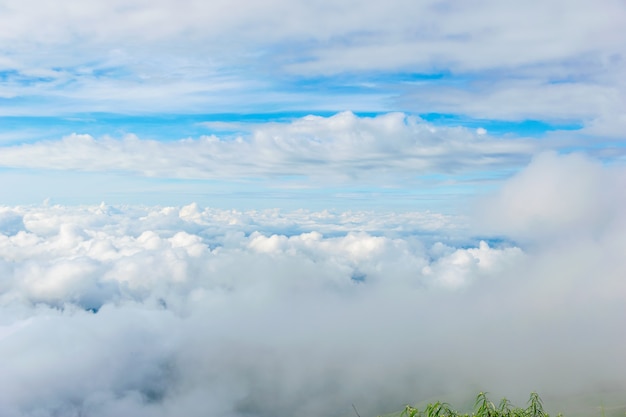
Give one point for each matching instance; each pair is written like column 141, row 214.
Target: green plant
column 535, row 406
column 483, row 407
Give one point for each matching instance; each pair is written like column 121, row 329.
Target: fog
column 194, row 311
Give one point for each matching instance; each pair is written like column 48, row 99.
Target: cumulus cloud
column 340, row 146
column 165, row 311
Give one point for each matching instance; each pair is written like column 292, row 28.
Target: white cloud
column 558, row 196
column 453, row 269
column 187, row 56
column 590, row 103
column 168, row 311
column 343, row 146
column 304, row 313
column 355, row 29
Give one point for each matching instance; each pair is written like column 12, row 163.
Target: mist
column 167, row 311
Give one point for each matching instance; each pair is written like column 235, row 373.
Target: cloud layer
column 168, row 311
column 392, row 146
column 165, row 311
column 490, row 59
column 483, row 35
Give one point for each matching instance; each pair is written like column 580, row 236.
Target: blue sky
column 277, row 208
column 506, row 76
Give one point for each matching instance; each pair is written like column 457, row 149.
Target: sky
column 272, row 208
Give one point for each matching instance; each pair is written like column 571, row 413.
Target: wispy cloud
column 501, row 58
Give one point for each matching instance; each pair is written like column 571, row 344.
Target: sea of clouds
column 195, row 311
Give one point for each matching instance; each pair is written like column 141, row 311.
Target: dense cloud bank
column 150, row 311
